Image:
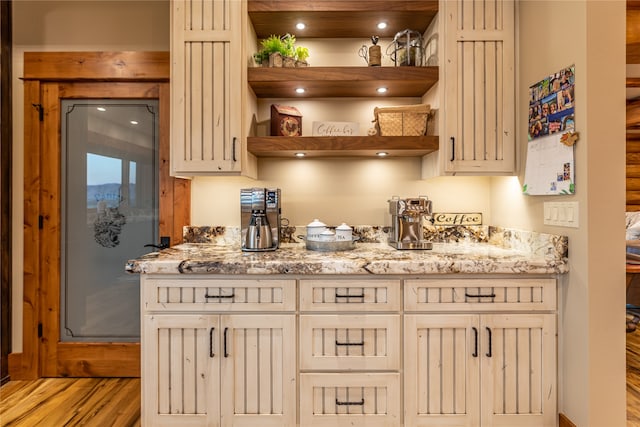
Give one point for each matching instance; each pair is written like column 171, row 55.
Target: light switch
column 561, row 214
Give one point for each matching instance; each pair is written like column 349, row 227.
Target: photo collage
column 551, row 104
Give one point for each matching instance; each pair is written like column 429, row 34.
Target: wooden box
column 285, row 121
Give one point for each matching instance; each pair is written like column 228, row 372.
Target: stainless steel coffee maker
column 407, row 220
column 260, row 219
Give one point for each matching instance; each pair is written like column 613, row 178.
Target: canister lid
column 343, row 226
column 316, row 223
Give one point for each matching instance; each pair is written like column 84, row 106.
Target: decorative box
column 285, row 121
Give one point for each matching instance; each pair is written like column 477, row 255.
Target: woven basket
column 404, row 120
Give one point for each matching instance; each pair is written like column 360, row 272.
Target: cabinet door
column 180, row 373
column 518, row 370
column 441, row 370
column 479, row 96
column 206, row 86
column 258, row 362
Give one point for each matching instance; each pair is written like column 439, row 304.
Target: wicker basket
column 404, row 120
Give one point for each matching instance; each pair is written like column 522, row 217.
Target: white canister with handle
column 314, row 229
column 343, row 233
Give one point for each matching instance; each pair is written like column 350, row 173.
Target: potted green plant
column 262, row 58
column 302, row 53
column 274, row 48
column 289, row 54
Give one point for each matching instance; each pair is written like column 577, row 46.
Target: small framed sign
column 457, row 219
column 335, row 129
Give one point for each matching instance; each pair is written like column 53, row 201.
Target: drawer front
column 350, row 342
column 186, row 294
column 480, row 294
column 349, row 295
column 369, row 400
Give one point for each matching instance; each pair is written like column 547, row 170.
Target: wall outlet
column 561, row 214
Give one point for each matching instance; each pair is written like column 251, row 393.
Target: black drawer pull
column 480, row 295
column 360, row 403
column 349, row 296
column 219, row 296
column 349, row 343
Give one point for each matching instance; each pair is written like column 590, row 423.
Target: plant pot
column 289, row 62
column 275, row 59
column 302, row 64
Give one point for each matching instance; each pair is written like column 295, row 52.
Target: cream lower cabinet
column 470, row 369
column 208, row 369
column 350, row 360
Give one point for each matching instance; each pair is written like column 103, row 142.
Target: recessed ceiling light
column 133, row 122
column 382, row 25
column 381, row 90
column 382, row 154
column 300, row 26
column 101, row 109
column 300, row 90
column 300, row 154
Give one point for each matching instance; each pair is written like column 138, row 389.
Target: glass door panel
column 109, row 213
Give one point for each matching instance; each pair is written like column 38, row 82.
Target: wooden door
column 48, row 77
column 181, row 373
column 258, row 369
column 518, row 370
column 442, row 370
column 479, row 101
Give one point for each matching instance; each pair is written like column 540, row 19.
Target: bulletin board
column 550, row 167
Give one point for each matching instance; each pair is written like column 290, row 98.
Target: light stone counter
column 479, row 250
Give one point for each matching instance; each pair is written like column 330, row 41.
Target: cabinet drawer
column 186, row 294
column 350, row 342
column 369, row 400
column 349, row 295
column 480, row 294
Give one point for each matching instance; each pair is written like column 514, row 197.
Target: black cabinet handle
column 453, row 148
column 349, row 343
column 233, row 149
column 359, row 403
column 211, row 353
column 479, row 295
column 475, row 346
column 489, row 352
column 226, row 354
column 218, row 296
column 349, row 296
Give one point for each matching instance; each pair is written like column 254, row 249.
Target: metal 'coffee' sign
column 457, row 219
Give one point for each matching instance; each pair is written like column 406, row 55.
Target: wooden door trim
column 174, row 197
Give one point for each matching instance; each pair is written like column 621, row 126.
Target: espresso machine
column 407, row 220
column 260, row 219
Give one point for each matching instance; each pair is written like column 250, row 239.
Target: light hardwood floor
column 115, row 402
column 57, row 402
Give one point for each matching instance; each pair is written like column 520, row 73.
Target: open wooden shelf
column 344, row 146
column 340, row 18
column 341, row 81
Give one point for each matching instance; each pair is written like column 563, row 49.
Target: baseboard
column 565, row 422
column 16, row 370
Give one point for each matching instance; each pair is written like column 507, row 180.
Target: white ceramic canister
column 328, row 236
column 343, row 233
column 314, row 229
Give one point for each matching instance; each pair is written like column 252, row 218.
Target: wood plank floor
column 115, row 402
column 57, row 402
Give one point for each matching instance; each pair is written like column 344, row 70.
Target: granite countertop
column 495, row 251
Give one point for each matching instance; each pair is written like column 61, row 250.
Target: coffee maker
column 407, row 220
column 260, row 219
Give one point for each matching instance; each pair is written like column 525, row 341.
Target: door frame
column 42, row 200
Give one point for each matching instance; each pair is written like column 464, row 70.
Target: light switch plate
column 561, row 214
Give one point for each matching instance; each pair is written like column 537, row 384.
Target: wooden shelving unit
column 341, row 19
column 347, row 146
column 321, row 82
column 338, row 18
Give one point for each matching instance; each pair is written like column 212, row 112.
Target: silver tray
column 330, row 246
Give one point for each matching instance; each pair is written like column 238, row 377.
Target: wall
column 591, row 35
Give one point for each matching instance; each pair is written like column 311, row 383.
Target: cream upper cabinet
column 479, row 86
column 208, row 88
